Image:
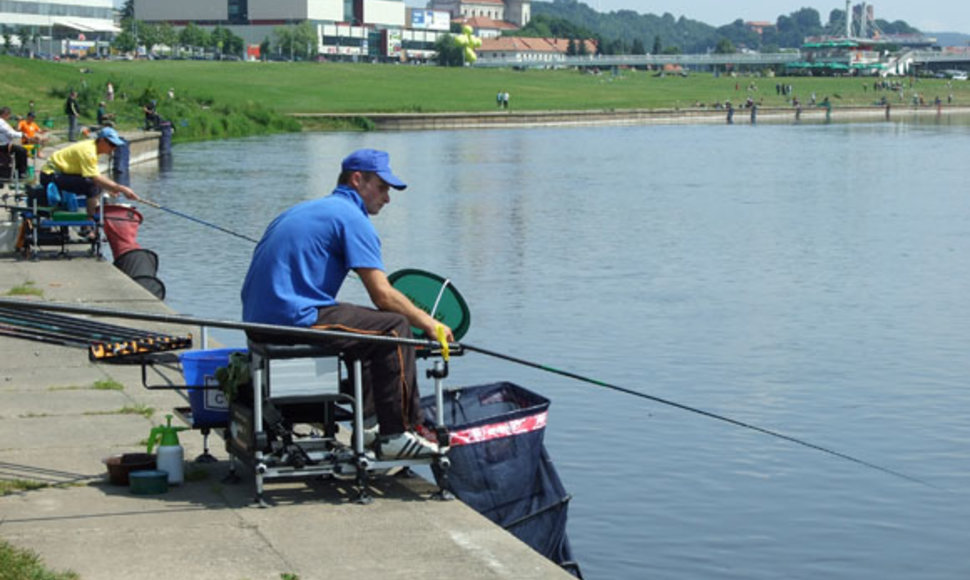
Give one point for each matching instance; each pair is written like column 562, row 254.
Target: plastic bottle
column 170, row 453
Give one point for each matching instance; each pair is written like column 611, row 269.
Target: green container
column 148, row 482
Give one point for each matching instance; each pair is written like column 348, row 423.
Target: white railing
column 644, row 60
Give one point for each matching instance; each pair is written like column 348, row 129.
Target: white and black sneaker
column 407, row 445
column 371, row 432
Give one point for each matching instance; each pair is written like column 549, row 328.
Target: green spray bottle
column 170, row 453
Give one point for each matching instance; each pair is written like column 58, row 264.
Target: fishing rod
column 592, row 381
column 197, row 220
column 269, row 329
column 75, row 334
column 74, row 326
column 38, row 317
column 41, row 336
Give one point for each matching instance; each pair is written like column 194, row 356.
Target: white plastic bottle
column 171, row 456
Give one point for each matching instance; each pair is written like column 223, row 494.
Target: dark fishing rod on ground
column 83, row 328
column 635, row 393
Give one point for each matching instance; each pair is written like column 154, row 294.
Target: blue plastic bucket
column 210, row 408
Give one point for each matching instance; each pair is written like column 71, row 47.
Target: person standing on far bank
column 70, row 109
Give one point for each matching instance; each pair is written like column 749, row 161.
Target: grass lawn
column 367, row 88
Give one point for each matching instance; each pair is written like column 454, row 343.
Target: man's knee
column 402, row 327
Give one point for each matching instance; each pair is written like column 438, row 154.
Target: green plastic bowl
column 148, row 482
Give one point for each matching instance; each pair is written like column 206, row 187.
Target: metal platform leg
column 438, row 372
column 259, row 376
column 363, row 463
column 206, row 457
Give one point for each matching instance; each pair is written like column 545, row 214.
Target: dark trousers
column 389, row 375
column 18, row 155
column 83, row 186
column 72, row 128
column 80, row 186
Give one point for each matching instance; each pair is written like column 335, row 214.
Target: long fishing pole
column 270, row 329
column 41, row 338
column 681, row 406
column 198, row 221
column 82, row 325
column 39, row 335
column 78, row 327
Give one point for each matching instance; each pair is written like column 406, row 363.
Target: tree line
column 629, row 32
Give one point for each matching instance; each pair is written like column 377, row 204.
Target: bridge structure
column 936, row 60
column 643, row 60
column 900, row 64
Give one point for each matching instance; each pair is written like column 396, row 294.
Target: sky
column 926, row 15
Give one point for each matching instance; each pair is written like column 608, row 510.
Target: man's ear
column 356, row 179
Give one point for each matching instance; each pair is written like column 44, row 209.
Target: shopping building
column 57, row 28
column 371, row 29
column 345, row 28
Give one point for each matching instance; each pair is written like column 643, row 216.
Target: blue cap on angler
column 374, row 161
column 111, row 136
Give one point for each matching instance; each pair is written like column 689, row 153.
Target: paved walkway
column 55, row 428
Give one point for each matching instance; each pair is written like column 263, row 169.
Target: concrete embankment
column 56, row 426
column 609, row 117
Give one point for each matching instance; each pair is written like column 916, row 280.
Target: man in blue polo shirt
column 297, row 270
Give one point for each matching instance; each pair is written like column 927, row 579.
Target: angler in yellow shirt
column 75, row 169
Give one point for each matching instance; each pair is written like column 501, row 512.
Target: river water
column 810, row 280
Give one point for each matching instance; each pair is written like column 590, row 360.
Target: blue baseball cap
column 374, row 161
column 111, row 136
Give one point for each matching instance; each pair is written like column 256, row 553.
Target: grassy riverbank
column 222, row 99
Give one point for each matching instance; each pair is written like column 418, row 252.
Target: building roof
column 479, row 22
column 531, row 44
column 86, row 24
column 496, row 2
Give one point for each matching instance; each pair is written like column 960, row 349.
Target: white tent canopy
column 86, row 24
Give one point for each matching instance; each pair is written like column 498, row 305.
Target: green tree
column 449, row 52
column 193, row 37
column 657, row 45
column 306, row 33
column 128, row 10
column 124, row 41
column 149, row 35
column 725, row 46
column 571, row 47
column 638, row 47
column 168, row 36
column 298, row 41
column 545, row 26
column 223, row 41
column 618, row 29
column 24, row 36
